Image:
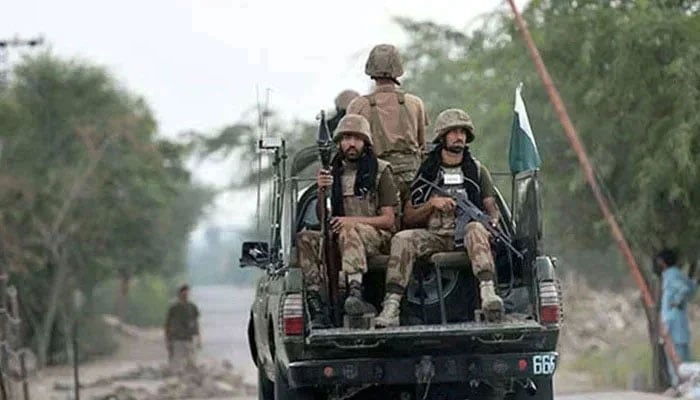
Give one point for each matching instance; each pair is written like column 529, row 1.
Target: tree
column 626, row 71
column 89, row 193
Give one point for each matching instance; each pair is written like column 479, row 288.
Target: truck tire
column 265, row 386
column 460, row 295
column 283, row 392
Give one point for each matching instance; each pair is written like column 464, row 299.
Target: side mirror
column 254, row 254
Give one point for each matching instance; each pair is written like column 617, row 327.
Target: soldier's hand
column 338, row 223
column 324, row 178
column 443, row 203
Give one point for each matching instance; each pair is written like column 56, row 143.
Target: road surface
column 224, row 321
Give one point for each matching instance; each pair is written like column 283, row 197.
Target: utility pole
column 6, row 45
column 649, row 302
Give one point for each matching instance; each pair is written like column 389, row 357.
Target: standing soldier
column 363, row 195
column 181, row 330
column 451, row 166
column 397, row 119
column 342, row 100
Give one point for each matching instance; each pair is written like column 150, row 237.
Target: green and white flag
column 523, row 155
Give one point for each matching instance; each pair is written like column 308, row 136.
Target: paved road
column 224, row 321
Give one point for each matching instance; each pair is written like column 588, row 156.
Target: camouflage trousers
column 410, row 244
column 355, row 243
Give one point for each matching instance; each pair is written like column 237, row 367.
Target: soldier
column 181, row 329
column 397, row 119
column 450, row 165
column 363, row 195
column 341, row 106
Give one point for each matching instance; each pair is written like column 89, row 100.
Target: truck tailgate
column 467, row 336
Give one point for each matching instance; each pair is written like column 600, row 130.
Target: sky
column 200, row 64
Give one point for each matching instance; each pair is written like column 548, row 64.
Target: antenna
column 259, row 150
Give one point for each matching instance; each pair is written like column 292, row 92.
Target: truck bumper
column 413, row 370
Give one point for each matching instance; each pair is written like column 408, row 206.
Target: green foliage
column 148, row 301
column 628, row 74
column 240, row 140
column 88, row 191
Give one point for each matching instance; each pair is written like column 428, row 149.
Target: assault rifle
column 330, row 256
column 472, row 213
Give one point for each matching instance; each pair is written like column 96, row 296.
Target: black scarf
column 420, row 192
column 365, row 178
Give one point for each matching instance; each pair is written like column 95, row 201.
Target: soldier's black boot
column 355, row 305
column 317, row 311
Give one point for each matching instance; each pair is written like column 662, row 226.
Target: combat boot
column 390, row 311
column 317, row 310
column 491, row 304
column 355, row 305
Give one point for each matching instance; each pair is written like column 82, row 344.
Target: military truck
column 443, row 348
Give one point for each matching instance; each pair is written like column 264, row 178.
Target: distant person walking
column 677, row 291
column 182, row 332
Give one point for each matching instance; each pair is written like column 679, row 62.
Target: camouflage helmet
column 384, row 61
column 353, row 123
column 450, row 119
column 342, row 101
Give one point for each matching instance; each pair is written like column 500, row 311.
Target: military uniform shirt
column 181, row 321
column 390, row 115
column 386, row 192
column 443, row 223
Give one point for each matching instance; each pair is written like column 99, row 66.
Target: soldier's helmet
column 342, row 101
column 450, row 119
column 384, row 61
column 353, row 123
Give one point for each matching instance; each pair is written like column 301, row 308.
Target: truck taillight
column 293, row 315
column 549, row 302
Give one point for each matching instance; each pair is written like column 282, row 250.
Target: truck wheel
column 265, row 386
column 283, row 392
column 459, row 290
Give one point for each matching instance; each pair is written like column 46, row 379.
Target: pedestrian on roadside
column 182, row 332
column 677, row 291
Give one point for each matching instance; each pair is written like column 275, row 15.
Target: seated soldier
column 451, row 166
column 363, row 197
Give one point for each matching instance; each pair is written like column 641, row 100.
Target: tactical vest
column 454, row 181
column 403, row 157
column 367, row 206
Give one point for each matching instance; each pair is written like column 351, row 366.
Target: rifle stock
column 330, row 256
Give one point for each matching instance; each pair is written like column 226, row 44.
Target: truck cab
column 442, row 349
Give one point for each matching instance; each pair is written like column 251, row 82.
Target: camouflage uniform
column 355, row 241
column 439, row 234
column 397, row 119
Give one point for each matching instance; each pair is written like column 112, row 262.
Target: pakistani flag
column 523, row 149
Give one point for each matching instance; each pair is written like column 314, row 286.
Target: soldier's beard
column 455, row 148
column 351, row 154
